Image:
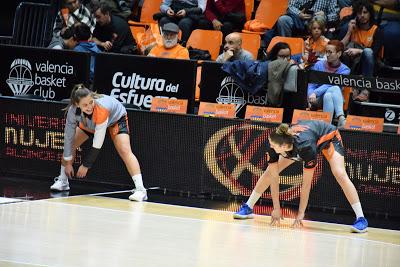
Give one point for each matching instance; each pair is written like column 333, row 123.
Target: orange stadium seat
column 206, row 40
column 251, row 43
column 135, row 30
column 268, row 12
column 296, row 44
column 345, row 12
column 248, row 8
column 149, row 8
column 346, row 96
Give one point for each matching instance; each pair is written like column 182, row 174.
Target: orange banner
column 266, row 114
column 364, row 123
column 217, row 110
column 310, row 115
column 169, row 105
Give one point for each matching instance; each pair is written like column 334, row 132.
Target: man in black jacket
column 112, row 33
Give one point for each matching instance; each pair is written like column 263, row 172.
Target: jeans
column 284, row 26
column 367, row 62
column 332, row 101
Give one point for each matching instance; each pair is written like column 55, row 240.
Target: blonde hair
column 320, row 21
column 282, row 135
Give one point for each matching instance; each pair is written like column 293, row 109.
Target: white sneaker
column 138, row 195
column 60, row 184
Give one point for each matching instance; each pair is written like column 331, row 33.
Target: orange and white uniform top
column 107, row 111
column 176, row 52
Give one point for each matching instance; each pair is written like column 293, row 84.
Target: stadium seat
column 346, row 96
column 149, row 8
column 206, row 40
column 268, row 12
column 345, row 12
column 135, row 30
column 249, row 8
column 251, row 43
column 296, row 44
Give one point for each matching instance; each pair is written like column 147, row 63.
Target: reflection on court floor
column 101, row 231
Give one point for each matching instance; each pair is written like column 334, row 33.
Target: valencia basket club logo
column 231, row 93
column 237, row 156
column 20, row 77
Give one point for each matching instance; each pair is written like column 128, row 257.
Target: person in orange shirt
column 360, row 42
column 170, row 47
column 315, row 45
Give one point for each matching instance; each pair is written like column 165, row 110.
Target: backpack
column 199, row 54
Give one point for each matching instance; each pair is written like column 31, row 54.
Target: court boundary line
column 22, row 262
column 237, row 224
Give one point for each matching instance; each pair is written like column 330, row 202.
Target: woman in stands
column 328, row 96
column 90, row 115
column 303, row 142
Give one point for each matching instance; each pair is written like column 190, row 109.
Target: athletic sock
column 63, row 176
column 137, row 179
column 253, row 199
column 357, row 209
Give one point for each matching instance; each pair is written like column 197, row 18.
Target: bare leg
column 123, row 146
column 339, row 171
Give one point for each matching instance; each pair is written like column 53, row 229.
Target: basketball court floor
column 94, row 230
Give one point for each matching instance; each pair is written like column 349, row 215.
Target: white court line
column 229, row 223
column 22, row 262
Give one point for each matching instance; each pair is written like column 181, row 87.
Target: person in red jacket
column 224, row 15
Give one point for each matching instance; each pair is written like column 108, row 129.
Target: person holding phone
column 184, row 13
column 300, row 12
column 360, row 44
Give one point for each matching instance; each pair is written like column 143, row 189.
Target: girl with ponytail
column 303, row 142
column 90, row 115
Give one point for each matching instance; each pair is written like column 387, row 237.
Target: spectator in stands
column 279, row 61
column 83, row 38
column 315, row 45
column 65, row 41
column 361, row 49
column 121, row 8
column 185, row 13
column 170, row 47
column 112, row 33
column 233, row 49
column 300, row 12
column 279, row 50
column 74, row 12
column 329, row 96
column 224, row 15
column 389, row 22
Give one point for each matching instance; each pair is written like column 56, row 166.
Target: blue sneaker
column 245, row 212
column 360, row 225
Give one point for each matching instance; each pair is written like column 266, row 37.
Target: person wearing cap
column 169, row 47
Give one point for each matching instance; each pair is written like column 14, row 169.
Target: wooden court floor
column 101, row 231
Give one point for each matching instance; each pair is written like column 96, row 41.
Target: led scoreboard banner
column 187, row 153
